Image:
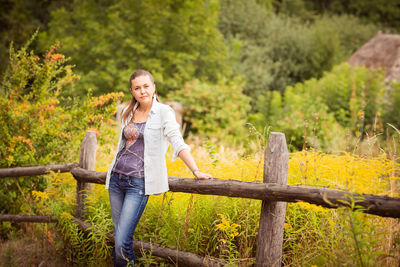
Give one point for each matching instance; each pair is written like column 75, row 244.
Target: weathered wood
column 87, row 161
column 384, row 206
column 272, row 216
column 36, row 170
column 86, row 176
column 177, row 257
column 26, row 218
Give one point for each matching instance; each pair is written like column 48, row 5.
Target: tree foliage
column 277, row 51
column 108, row 40
column 384, row 12
column 216, row 110
column 317, row 111
column 38, row 126
column 19, row 19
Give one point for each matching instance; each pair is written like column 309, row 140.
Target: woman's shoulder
column 163, row 107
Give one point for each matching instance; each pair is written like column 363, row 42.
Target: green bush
column 391, row 110
column 351, row 32
column 214, row 110
column 38, row 126
column 301, row 115
column 355, row 96
column 317, row 112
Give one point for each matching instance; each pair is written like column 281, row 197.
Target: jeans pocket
column 114, row 181
column 136, row 183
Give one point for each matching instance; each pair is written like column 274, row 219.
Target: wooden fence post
column 87, row 161
column 272, row 218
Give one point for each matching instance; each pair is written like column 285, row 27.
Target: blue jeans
column 127, row 201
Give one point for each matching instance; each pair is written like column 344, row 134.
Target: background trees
column 222, row 49
column 107, row 40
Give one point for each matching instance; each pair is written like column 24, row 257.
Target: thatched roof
column 381, row 51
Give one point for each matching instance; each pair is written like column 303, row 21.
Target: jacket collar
column 154, row 106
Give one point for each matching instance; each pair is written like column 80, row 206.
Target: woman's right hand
column 202, row 175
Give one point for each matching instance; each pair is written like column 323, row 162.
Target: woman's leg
column 116, row 196
column 133, row 206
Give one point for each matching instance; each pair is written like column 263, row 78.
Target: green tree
column 107, row 40
column 355, row 96
column 244, row 26
column 19, row 19
column 275, row 51
column 384, row 12
column 351, row 32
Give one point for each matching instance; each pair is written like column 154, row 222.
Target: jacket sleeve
column 172, row 132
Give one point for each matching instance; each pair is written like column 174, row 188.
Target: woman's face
column 143, row 89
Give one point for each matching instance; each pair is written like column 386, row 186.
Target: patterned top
column 130, row 159
column 162, row 130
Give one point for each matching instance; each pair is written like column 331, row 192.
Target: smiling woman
column 139, row 167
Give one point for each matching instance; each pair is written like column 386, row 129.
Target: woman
column 139, row 168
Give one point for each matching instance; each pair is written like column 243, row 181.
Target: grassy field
column 225, row 227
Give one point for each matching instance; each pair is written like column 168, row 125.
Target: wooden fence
column 274, row 192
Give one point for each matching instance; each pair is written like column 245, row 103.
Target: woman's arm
column 185, row 155
column 181, row 149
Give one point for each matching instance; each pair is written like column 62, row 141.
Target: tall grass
column 226, row 228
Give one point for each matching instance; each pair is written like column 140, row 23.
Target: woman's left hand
column 202, row 175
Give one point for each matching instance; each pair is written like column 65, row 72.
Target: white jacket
column 161, row 130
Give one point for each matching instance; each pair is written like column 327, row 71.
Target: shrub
column 302, row 116
column 317, row 112
column 214, row 110
column 354, row 95
column 38, row 126
column 391, row 111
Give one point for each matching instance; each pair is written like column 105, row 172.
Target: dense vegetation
column 252, row 48
column 241, row 69
column 40, row 127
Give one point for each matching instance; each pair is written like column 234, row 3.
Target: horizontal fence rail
column 36, row 170
column 27, row 218
column 384, row 206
